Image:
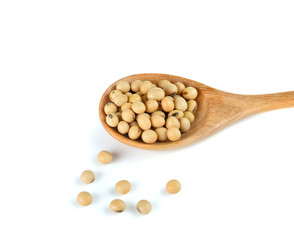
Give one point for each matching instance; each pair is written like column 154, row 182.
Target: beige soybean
column 173, row 134
column 192, row 106
column 84, row 198
column 155, row 94
column 135, row 132
column 161, row 134
column 145, row 87
column 190, row 93
column 167, row 104
column 151, row 106
column 172, row 122
column 181, row 104
column 170, row 97
column 173, row 186
column 176, row 113
column 176, row 96
column 170, row 89
column 128, row 94
column 161, row 113
column 120, row 99
column 126, row 106
column 123, row 187
column 180, row 87
column 190, row 116
column 143, row 122
column 185, row 124
column 162, row 83
column 112, row 120
column 123, row 86
column 118, row 114
column 117, row 205
column 123, row 127
column 135, row 85
column 139, row 93
column 104, row 157
column 128, row 115
column 138, row 107
column 157, row 121
column 110, row 108
column 134, row 98
column 143, row 114
column 144, row 207
column 113, row 94
column 149, row 136
column 87, row 176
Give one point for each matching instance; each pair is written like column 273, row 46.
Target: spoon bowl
column 216, row 109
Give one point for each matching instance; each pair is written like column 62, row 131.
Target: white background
column 57, row 58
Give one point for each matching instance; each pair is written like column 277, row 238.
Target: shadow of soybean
column 164, row 192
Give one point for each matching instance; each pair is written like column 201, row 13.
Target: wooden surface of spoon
column 216, row 110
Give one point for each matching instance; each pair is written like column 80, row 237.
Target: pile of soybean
column 153, row 112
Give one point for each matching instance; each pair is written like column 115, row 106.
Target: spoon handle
column 268, row 102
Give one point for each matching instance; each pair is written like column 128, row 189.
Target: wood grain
column 216, row 110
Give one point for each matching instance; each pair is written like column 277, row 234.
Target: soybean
column 123, row 187
column 192, row 106
column 135, row 132
column 134, row 98
column 135, row 85
column 172, row 122
column 128, row 94
column 167, row 104
column 155, row 94
column 161, row 113
column 144, row 207
column 87, row 176
column 123, row 127
column 128, row 115
column 162, row 83
column 118, row 114
column 181, row 104
column 126, row 106
column 176, row 113
column 190, row 93
column 161, row 134
column 173, row 134
column 117, row 205
column 112, row 120
column 157, row 121
column 104, row 157
column 144, row 122
column 173, row 186
column 113, row 94
column 120, row 99
column 170, row 89
column 190, row 116
column 149, row 136
column 123, row 86
column 180, row 87
column 84, row 198
column 138, row 107
column 151, row 106
column 110, row 108
column 185, row 124
column 145, row 87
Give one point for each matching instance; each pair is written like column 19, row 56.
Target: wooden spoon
column 216, row 110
